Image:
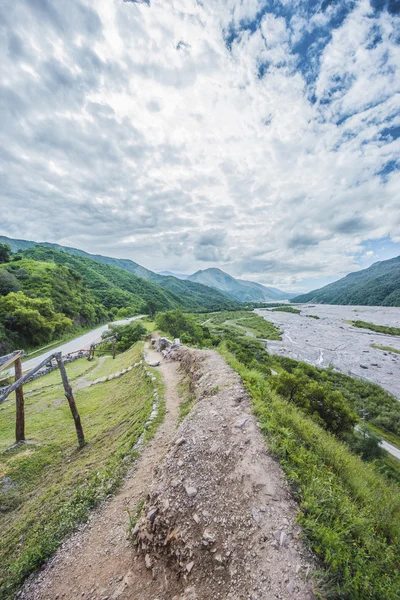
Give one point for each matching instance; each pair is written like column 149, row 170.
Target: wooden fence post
column 20, row 408
column 71, row 400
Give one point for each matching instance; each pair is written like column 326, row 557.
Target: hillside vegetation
column 379, row 285
column 346, row 487
column 46, row 292
column 51, row 486
column 190, row 295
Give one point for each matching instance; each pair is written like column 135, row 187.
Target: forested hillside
column 192, row 296
column 379, row 285
column 46, row 292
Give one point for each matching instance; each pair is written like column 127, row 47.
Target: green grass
column 242, row 321
column 312, row 316
column 54, row 485
column 378, row 328
column 392, row 438
column 350, row 514
column 289, row 309
column 187, row 398
column 385, row 348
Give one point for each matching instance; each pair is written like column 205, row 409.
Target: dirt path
column 96, row 563
column 219, row 520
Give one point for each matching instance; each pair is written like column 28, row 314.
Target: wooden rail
column 17, row 386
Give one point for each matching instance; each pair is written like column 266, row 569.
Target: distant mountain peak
column 239, row 289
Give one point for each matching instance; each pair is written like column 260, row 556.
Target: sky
column 258, row 136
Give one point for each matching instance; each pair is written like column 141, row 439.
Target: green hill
column 45, row 293
column 191, row 296
column 379, row 285
column 237, row 289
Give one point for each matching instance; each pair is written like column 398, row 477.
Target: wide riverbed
column 329, row 340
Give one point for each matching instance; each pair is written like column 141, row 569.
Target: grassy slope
column 242, row 321
column 102, row 278
column 349, row 513
column 55, row 485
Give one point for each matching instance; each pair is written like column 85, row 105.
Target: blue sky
column 260, row 137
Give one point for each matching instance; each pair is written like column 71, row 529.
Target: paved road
column 80, row 343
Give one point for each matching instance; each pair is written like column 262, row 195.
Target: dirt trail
column 218, row 523
column 94, row 562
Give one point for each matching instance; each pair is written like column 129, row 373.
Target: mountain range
column 238, row 289
column 186, row 287
column 379, row 285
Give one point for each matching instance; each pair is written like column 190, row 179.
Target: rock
column 154, row 363
column 191, row 491
column 241, row 422
column 196, row 518
column 180, row 441
column 208, row 537
column 290, row 587
column 283, row 539
column 148, row 561
column 151, row 515
column 189, row 566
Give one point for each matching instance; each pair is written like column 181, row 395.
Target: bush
column 325, row 406
column 126, row 335
column 180, row 325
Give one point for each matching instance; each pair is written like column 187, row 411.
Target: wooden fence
column 17, row 386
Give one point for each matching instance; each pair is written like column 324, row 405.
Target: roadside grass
column 388, row 436
column 378, row 328
column 350, row 514
column 76, row 369
column 47, row 485
column 385, row 348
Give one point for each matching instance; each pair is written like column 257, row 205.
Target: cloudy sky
column 259, row 136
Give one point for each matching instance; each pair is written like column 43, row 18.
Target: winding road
column 79, row 343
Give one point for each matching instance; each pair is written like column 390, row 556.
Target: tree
column 5, row 252
column 31, row 321
column 8, row 282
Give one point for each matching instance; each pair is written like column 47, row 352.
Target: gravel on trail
column 219, row 521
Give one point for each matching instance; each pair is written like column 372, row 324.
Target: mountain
column 189, row 295
column 379, row 285
column 241, row 290
column 177, row 275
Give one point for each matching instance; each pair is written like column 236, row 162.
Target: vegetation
column 385, row 348
column 5, row 252
column 46, row 292
column 326, row 407
column 383, row 409
column 349, row 512
column 379, row 285
column 289, row 309
column 184, row 326
column 242, row 321
column 41, row 500
column 126, row 335
column 377, row 328
column 189, row 295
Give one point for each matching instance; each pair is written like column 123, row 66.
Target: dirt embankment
column 218, row 522
column 219, row 519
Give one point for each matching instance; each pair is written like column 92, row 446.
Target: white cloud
column 134, row 130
